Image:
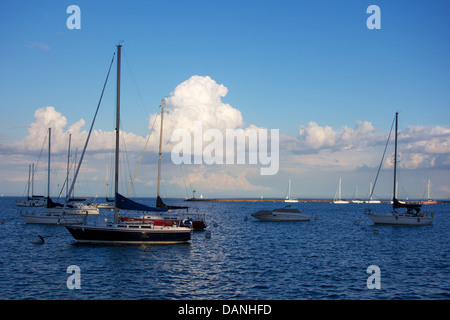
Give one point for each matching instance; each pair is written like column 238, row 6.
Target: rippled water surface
column 325, row 258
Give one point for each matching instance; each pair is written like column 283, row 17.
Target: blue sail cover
column 127, row 204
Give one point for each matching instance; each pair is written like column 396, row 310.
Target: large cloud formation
column 197, row 99
column 200, row 98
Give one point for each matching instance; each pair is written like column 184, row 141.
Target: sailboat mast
column 395, row 159
column 48, row 165
column 68, row 167
column 29, row 175
column 32, row 179
column 116, row 169
column 340, row 184
column 160, row 147
column 289, row 191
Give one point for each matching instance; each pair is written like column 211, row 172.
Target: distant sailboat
column 429, row 201
column 288, row 197
column 411, row 216
column 371, row 196
column 109, row 204
column 357, row 200
column 33, row 201
column 337, row 196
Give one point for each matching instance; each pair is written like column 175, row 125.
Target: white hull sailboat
column 52, row 218
column 402, row 219
column 53, row 213
column 33, row 201
column 282, row 214
column 429, row 201
column 337, row 196
column 405, row 214
column 371, row 195
column 288, row 198
column 357, row 200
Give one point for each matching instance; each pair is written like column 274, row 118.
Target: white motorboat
column 283, row 214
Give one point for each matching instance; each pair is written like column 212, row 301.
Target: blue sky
column 285, row 64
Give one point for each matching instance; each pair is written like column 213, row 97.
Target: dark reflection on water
column 325, row 258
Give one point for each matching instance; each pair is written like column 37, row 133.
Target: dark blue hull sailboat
column 127, row 232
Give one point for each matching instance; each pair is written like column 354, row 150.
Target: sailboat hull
column 129, row 234
column 49, row 218
column 31, row 203
column 401, row 220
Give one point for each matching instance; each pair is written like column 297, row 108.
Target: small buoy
column 316, row 218
column 245, row 218
column 208, row 234
column 375, row 231
column 356, row 223
column 38, row 240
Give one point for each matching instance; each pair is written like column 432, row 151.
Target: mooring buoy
column 38, row 240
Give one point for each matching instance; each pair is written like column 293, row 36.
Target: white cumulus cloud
column 197, row 99
column 314, row 136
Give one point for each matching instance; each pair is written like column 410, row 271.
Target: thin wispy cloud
column 38, row 45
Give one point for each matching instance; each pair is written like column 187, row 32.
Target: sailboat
column 109, row 204
column 337, row 196
column 73, row 207
column 33, row 201
column 411, row 215
column 167, row 217
column 429, row 201
column 371, row 195
column 51, row 215
column 288, row 198
column 135, row 232
column 357, row 200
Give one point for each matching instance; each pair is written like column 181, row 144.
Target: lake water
column 325, row 258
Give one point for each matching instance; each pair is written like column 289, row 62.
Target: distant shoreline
column 298, row 200
column 252, row 200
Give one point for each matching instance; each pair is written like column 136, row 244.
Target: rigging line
column 382, row 158
column 125, row 153
column 40, row 153
column 142, row 156
column 90, row 131
column 135, row 84
column 184, row 181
